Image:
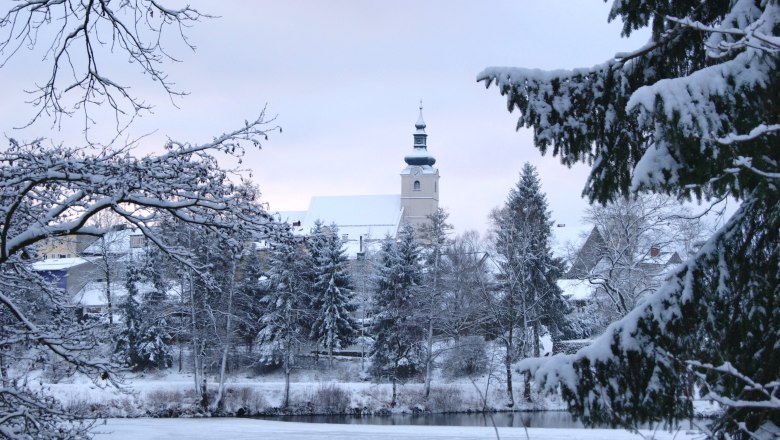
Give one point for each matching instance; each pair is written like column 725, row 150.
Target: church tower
column 419, row 180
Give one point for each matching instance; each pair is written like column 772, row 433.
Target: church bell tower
column 419, row 180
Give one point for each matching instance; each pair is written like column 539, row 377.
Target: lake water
column 537, row 419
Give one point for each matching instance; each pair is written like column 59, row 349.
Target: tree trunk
column 204, row 396
column 527, row 387
column 395, row 394
column 181, row 325
column 429, row 359
column 3, row 370
column 508, row 364
column 109, row 303
column 286, row 386
column 487, row 388
column 197, row 358
column 226, row 344
column 287, row 369
column 536, row 335
column 429, row 348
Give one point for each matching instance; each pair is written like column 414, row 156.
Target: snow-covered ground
column 245, row 429
column 148, row 389
column 152, row 393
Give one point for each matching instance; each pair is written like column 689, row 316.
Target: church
column 366, row 219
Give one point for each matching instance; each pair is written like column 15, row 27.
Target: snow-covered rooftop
column 567, row 236
column 578, row 290
column 115, row 242
column 58, row 263
column 93, row 294
column 370, row 217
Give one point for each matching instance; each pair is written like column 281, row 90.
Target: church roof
column 367, row 216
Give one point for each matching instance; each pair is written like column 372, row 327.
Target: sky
column 344, row 80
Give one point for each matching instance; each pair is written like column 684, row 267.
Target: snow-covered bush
column 443, row 399
column 466, row 358
column 332, row 399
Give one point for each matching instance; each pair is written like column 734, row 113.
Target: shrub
column 445, row 399
column 332, row 399
column 244, row 401
column 467, row 358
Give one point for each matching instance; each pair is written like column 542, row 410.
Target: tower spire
column 420, row 125
column 419, row 155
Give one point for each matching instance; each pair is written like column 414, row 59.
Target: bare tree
column 434, row 236
column 106, row 254
column 55, row 191
column 80, row 38
column 639, row 240
column 466, row 275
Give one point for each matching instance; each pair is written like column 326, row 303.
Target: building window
column 344, row 237
column 136, row 241
column 416, row 186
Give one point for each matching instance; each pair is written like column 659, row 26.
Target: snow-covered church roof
column 371, row 217
column 359, row 218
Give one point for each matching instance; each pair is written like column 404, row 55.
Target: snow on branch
column 769, row 390
column 742, row 162
column 62, row 188
column 756, row 132
column 746, row 26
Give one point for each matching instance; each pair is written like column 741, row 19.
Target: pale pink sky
column 345, row 79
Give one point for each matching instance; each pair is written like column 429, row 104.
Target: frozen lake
column 246, row 429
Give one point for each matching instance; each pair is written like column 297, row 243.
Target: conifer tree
column 333, row 324
column 694, row 112
column 528, row 294
column 397, row 331
column 283, row 325
column 143, row 342
column 252, row 286
column 315, row 244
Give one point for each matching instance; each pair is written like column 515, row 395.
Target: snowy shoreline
column 172, row 396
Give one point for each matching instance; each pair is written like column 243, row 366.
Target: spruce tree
column 529, row 297
column 143, row 342
column 283, row 325
column 694, row 112
column 397, row 331
column 333, row 324
column 251, row 288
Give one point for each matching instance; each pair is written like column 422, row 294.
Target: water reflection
column 542, row 419
column 538, row 419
